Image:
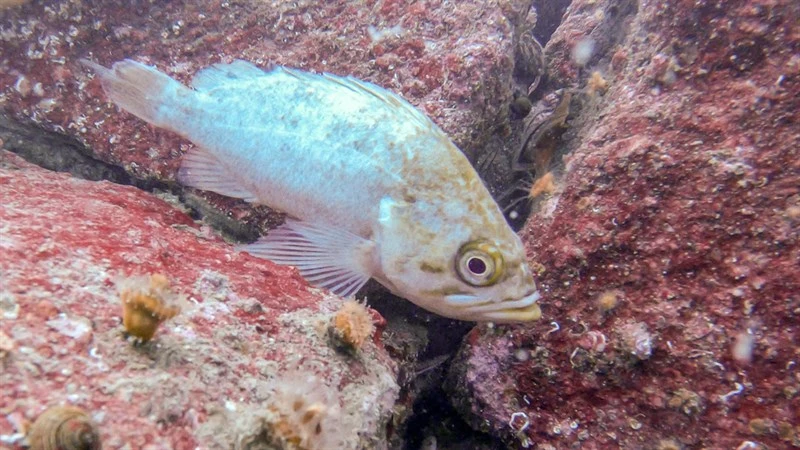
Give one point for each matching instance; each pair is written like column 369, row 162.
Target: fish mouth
column 524, row 309
column 526, row 314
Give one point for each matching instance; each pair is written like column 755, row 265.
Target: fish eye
column 479, row 263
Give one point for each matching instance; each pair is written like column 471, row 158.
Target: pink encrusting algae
column 66, row 242
column 670, row 257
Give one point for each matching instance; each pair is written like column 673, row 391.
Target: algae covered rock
column 245, row 325
column 680, row 195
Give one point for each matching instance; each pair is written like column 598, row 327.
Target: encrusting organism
column 520, row 105
column 351, row 326
column 146, row 302
column 636, row 340
column 686, row 401
column 669, row 444
column 544, row 185
column 608, row 300
column 596, row 84
column 302, row 414
column 6, row 346
column 64, row 428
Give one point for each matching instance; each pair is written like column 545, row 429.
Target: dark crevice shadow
column 59, row 153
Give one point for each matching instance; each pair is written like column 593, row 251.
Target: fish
column 373, row 188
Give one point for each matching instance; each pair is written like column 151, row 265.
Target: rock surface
column 251, row 334
column 669, row 255
column 453, row 61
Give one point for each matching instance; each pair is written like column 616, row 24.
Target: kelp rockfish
column 374, row 188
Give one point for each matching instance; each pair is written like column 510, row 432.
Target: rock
column 672, row 234
column 453, row 61
column 251, row 335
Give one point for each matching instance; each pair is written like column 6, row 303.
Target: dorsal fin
column 220, row 74
column 384, row 95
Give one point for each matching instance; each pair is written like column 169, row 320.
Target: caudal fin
column 139, row 89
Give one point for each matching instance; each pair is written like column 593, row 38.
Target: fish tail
column 139, row 89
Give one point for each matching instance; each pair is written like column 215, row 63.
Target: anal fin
column 327, row 257
column 200, row 169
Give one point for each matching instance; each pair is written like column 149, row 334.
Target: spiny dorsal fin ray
column 384, row 95
column 220, row 74
column 362, row 88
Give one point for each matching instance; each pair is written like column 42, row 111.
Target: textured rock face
column 460, row 79
column 251, row 338
column 454, row 61
column 669, row 255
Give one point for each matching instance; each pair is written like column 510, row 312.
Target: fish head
column 455, row 265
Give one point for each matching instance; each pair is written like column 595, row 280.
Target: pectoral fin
column 327, row 257
column 200, row 169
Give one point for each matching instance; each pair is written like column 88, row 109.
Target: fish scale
column 287, row 138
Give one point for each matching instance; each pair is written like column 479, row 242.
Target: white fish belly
column 307, row 146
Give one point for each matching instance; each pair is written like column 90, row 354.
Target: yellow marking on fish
column 431, row 268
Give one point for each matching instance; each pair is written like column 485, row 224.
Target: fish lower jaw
column 525, row 309
column 511, row 315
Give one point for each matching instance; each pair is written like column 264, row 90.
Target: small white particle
column 743, row 347
column 69, row 327
column 38, row 90
column 583, row 51
column 522, row 354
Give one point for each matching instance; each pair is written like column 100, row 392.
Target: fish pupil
column 476, row 266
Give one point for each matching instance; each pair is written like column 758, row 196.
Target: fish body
column 374, row 187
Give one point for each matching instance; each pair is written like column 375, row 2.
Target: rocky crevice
column 60, row 153
column 420, row 342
